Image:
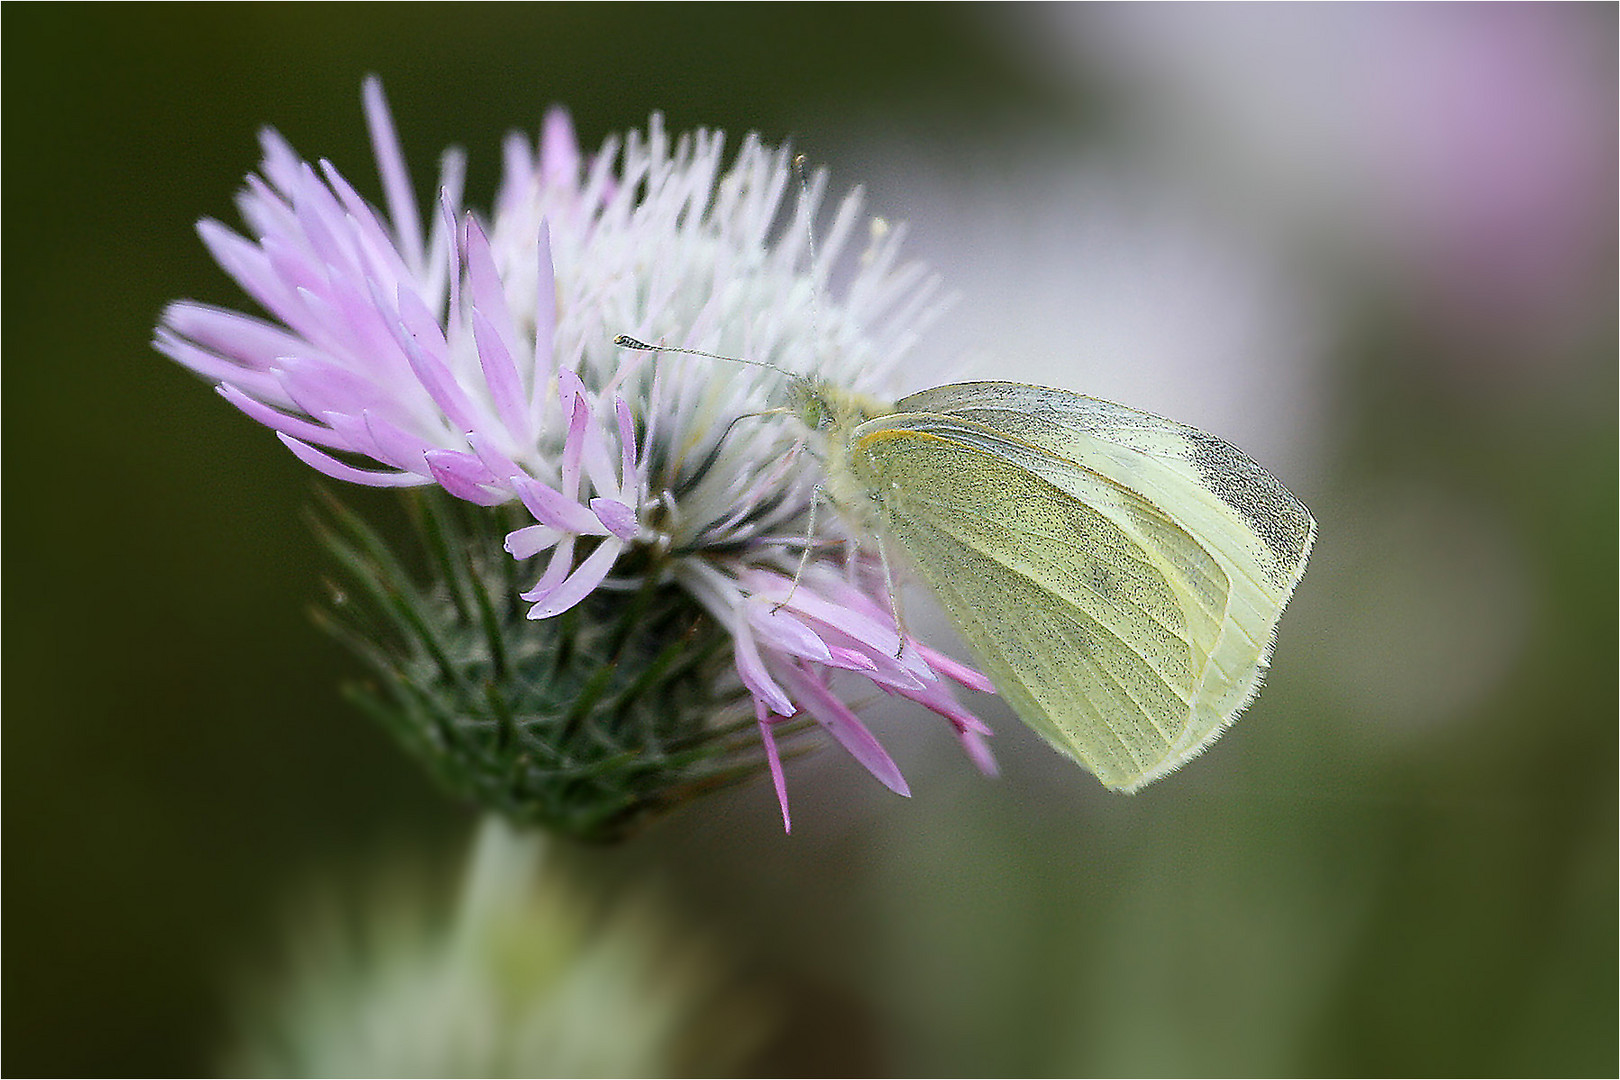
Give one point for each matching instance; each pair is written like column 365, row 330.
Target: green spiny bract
column 587, row 724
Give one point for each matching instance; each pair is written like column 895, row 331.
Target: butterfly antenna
column 625, row 341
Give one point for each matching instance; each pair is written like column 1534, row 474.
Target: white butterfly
column 1119, row 575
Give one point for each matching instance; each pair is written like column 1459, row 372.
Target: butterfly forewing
column 1239, row 513
column 1204, row 481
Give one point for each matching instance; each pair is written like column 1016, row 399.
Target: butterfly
column 1118, row 575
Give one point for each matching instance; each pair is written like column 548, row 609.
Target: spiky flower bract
column 648, row 498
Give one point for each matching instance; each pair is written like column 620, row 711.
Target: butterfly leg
column 816, row 495
column 894, row 595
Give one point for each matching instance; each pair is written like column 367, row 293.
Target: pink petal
column 517, row 174
column 531, row 540
column 573, row 400
column 447, row 220
column 627, row 446
column 619, row 519
column 452, row 176
column 280, row 421
column 376, row 247
column 561, row 561
column 353, row 431
column 497, row 463
column 460, row 474
column 248, row 264
column 267, row 208
column 396, row 179
column 580, row 583
column 296, row 272
column 584, row 443
column 260, row 385
column 251, row 342
column 550, row 507
column 488, row 294
column 399, row 447
column 978, row 751
column 877, row 635
column 937, row 697
column 322, row 221
column 774, row 758
column 752, row 671
column 337, row 470
column 280, row 163
column 850, row 659
column 559, row 150
column 465, row 465
column 441, row 386
column 501, row 376
column 779, row 630
column 846, row 727
column 412, row 317
column 954, row 669
column 337, row 329
column 545, row 314
column 599, row 465
column 569, row 386
column 371, row 334
column 317, row 386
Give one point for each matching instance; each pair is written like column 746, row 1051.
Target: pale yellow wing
column 1093, row 612
column 1258, row 531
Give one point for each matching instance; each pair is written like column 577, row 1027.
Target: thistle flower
column 478, row 358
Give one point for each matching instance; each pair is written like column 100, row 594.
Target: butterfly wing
column 1095, row 614
column 1242, row 516
column 1238, row 512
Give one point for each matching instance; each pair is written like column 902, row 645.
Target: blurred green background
column 1402, row 861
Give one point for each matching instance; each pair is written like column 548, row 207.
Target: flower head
column 478, row 356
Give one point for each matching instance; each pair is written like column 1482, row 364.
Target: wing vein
column 967, row 540
column 1073, row 614
column 962, row 605
column 1068, row 542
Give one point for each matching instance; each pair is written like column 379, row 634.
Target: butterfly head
column 831, row 410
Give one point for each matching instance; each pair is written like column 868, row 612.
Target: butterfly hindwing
column 1259, row 532
column 1095, row 614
